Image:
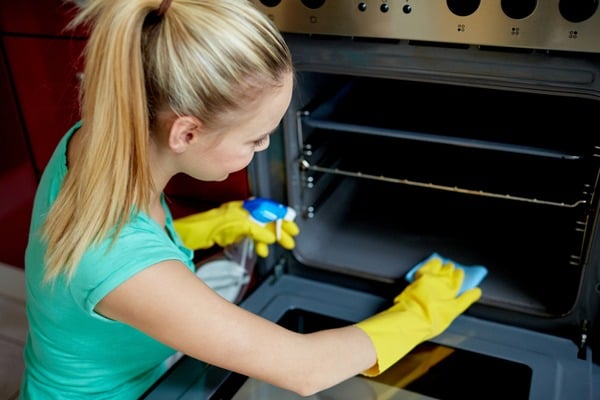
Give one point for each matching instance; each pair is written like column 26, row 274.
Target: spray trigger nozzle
column 264, row 211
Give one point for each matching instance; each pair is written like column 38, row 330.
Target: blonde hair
column 201, row 58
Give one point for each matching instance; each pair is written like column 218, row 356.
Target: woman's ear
column 183, row 133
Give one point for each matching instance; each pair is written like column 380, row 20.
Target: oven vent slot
column 423, row 43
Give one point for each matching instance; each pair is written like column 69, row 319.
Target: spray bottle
column 230, row 277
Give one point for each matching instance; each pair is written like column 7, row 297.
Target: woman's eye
column 262, row 141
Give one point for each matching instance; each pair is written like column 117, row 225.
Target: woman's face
column 246, row 132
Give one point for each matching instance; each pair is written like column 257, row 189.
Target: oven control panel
column 563, row 25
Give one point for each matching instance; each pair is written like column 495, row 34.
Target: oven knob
column 577, row 10
column 313, row 3
column 463, row 7
column 270, row 3
column 518, row 9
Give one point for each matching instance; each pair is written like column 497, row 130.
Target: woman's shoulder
column 139, row 243
column 137, row 247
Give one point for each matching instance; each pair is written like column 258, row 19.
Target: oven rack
column 309, row 182
column 314, row 198
column 363, row 229
column 549, row 181
column 347, row 132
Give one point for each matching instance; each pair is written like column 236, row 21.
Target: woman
column 194, row 87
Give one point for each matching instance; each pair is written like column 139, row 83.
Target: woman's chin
column 222, row 178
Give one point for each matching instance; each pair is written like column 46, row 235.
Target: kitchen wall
column 39, row 62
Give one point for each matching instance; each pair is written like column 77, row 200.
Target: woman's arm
column 168, row 302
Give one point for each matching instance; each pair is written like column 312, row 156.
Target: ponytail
column 194, row 57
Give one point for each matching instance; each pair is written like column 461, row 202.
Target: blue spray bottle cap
column 264, row 211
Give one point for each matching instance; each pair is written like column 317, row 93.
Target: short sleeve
column 140, row 245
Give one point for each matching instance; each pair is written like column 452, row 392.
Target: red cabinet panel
column 45, row 75
column 37, row 17
column 186, row 195
column 17, row 177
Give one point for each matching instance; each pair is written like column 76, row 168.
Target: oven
column 466, row 128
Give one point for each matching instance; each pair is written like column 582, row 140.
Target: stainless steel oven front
column 465, row 128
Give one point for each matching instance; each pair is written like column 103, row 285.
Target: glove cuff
column 391, row 345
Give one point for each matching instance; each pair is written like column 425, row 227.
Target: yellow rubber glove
column 229, row 224
column 423, row 310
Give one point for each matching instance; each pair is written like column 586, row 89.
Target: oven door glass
column 430, row 371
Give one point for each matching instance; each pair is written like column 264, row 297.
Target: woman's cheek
column 239, row 162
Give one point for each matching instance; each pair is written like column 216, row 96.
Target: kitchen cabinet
column 38, row 92
column 45, row 76
column 38, row 17
column 17, row 176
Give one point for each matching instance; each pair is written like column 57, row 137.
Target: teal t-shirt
column 72, row 352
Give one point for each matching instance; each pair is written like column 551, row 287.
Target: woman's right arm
column 168, row 302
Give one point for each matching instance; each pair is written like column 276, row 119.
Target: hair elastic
column 162, row 9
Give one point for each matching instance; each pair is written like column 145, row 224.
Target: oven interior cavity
column 384, row 172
